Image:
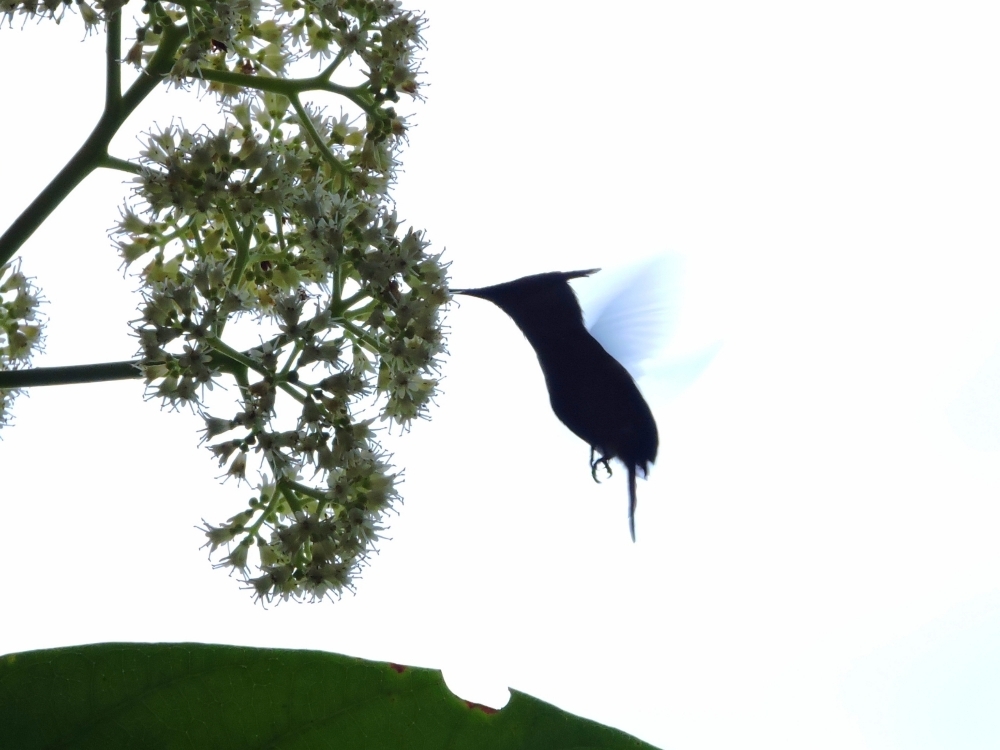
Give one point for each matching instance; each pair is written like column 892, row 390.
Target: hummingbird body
column 589, row 390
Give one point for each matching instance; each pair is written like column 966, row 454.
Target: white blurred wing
column 636, row 312
column 975, row 412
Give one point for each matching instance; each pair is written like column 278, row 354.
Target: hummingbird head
column 545, row 299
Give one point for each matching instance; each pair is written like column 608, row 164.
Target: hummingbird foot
column 594, row 463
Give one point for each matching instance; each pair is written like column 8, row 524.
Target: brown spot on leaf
column 481, row 707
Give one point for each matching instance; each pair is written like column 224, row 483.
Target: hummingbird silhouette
column 590, row 391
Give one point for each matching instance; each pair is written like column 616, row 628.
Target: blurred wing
column 633, row 311
column 975, row 412
column 668, row 377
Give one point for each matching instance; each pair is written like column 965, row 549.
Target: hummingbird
column 590, row 391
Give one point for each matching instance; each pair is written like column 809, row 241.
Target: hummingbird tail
column 631, row 501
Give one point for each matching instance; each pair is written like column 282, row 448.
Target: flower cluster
column 55, row 10
column 283, row 217
column 20, row 327
column 256, row 36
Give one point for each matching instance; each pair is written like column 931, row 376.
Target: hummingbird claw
column 602, row 461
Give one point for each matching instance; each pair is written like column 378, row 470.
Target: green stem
column 242, row 247
column 345, row 305
column 72, row 374
column 361, row 336
column 290, row 498
column 94, row 151
column 360, row 313
column 113, row 71
column 225, row 349
column 265, row 515
column 306, row 490
column 279, row 232
column 113, row 162
column 338, row 286
column 292, row 391
column 317, row 139
column 292, row 87
column 291, row 359
column 329, row 69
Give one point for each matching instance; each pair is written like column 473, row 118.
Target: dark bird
column 590, row 391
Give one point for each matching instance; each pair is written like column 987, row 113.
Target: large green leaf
column 187, row 695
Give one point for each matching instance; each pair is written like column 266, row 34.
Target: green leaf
column 188, row 695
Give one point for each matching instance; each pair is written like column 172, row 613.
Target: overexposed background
column 817, row 561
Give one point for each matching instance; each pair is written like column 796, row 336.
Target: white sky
column 817, row 561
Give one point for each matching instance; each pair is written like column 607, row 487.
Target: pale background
column 817, row 561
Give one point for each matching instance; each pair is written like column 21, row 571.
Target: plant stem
column 10, row 379
column 242, row 247
column 317, row 139
column 94, row 151
column 112, row 57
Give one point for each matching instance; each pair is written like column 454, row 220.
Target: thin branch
column 317, row 139
column 94, row 150
column 72, row 374
column 113, row 74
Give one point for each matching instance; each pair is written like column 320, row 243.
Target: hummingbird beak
column 483, row 292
